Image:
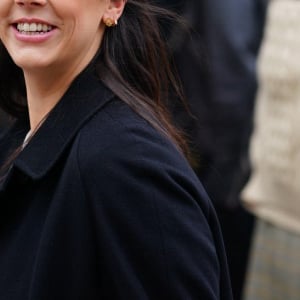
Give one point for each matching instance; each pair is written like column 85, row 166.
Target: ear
column 113, row 12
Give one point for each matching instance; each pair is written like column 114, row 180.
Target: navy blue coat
column 99, row 205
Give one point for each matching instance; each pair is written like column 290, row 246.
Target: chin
column 31, row 63
column 28, row 59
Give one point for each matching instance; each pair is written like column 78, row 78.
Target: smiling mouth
column 33, row 28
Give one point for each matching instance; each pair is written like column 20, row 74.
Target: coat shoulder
column 118, row 142
column 118, row 132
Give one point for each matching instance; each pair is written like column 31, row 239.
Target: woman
column 97, row 199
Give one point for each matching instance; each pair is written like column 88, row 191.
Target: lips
column 33, row 30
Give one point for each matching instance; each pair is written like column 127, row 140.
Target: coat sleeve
column 154, row 225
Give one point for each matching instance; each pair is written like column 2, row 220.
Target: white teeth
column 33, row 27
column 45, row 27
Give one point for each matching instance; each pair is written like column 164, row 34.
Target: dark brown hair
column 133, row 62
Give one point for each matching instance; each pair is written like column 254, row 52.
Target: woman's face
column 52, row 33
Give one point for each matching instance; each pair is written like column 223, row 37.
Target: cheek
column 5, row 16
column 5, row 7
column 88, row 25
column 2, row 31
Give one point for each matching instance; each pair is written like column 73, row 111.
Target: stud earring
column 109, row 22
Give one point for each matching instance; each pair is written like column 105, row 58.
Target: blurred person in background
column 233, row 33
column 272, row 193
column 217, row 63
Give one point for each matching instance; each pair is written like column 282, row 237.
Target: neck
column 43, row 93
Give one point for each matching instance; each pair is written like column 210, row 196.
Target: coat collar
column 82, row 100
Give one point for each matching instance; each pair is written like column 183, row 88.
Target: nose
column 31, row 2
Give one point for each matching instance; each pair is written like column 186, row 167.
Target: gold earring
column 109, row 22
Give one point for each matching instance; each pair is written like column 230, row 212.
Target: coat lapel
column 83, row 99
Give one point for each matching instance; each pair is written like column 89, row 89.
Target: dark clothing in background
column 234, row 30
column 99, row 205
column 217, row 63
